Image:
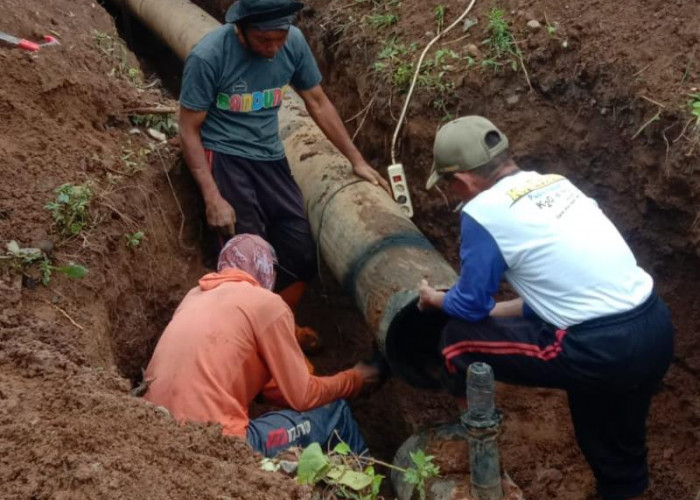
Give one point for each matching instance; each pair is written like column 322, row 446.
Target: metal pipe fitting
column 482, row 422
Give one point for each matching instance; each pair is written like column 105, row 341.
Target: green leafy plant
column 23, row 259
column 694, row 105
column 504, row 50
column 422, row 469
column 72, row 270
column 69, row 210
column 134, row 160
column 501, row 39
column 135, row 75
column 350, row 476
column 134, row 239
column 439, row 15
column 382, row 20
column 394, row 61
column 164, row 123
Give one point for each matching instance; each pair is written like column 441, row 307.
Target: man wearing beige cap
column 587, row 318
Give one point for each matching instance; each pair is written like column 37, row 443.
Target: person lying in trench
column 588, row 319
column 232, row 339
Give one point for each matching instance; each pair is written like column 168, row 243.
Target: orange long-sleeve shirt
column 227, row 340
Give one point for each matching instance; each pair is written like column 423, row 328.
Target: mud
column 70, row 352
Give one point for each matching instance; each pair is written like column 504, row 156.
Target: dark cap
column 255, row 11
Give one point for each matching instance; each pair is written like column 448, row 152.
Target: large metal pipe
column 371, row 247
column 179, row 23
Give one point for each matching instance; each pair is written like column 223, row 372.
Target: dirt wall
column 68, row 425
column 608, row 107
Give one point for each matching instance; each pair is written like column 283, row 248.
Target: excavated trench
column 386, row 417
column 537, row 438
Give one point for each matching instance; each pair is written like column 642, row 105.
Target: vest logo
column 254, row 101
column 530, row 185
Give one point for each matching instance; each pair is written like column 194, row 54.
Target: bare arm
column 508, row 308
column 326, row 117
column 428, row 297
column 220, row 214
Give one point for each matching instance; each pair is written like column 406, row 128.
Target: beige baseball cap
column 460, row 145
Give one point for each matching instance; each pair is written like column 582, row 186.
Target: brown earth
column 68, row 351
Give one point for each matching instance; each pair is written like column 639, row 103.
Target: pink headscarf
column 251, row 254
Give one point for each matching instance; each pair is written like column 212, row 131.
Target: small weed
column 423, row 469
column 163, row 123
column 133, row 240
column 504, row 49
column 23, row 261
column 72, row 270
column 115, row 51
column 395, row 61
column 694, row 104
column 105, row 42
column 491, row 63
column 382, row 20
column 135, row 75
column 501, row 39
column 69, row 210
column 134, row 161
column 439, row 15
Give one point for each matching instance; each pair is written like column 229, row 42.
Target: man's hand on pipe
column 428, row 297
column 221, row 216
column 364, row 171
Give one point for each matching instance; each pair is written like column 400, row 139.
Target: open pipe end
column 411, row 345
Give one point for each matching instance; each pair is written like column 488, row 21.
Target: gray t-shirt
column 242, row 92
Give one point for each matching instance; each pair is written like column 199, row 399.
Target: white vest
column 565, row 258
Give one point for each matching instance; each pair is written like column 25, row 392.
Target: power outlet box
column 399, row 188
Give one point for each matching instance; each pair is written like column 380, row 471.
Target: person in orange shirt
column 232, row 339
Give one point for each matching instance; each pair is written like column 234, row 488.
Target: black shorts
column 610, row 368
column 269, row 203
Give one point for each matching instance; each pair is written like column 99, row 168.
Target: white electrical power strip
column 399, row 188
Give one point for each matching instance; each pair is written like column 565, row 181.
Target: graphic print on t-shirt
column 241, row 101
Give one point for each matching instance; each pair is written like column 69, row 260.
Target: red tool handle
column 27, row 45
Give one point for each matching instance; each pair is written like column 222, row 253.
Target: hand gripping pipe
column 371, row 247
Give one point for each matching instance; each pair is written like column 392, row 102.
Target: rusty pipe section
column 371, row 247
column 179, row 23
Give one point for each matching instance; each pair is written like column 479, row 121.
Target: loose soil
column 70, row 351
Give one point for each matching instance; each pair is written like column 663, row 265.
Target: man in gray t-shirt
column 233, row 85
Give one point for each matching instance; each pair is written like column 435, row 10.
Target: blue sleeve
column 483, row 266
column 306, row 73
column 528, row 312
column 198, row 84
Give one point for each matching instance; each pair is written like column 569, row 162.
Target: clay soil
column 71, row 351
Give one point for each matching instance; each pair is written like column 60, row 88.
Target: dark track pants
column 278, row 430
column 609, row 367
column 269, row 203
